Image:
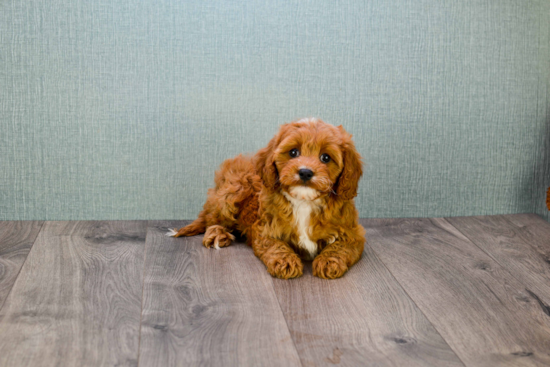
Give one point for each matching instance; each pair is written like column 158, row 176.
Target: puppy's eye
column 325, row 158
column 294, row 153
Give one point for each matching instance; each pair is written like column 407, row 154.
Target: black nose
column 305, row 174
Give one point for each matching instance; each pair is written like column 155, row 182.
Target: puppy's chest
column 303, row 222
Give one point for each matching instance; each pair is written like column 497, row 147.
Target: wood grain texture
column 16, row 239
column 520, row 243
column 207, row 307
column 483, row 312
column 534, row 230
column 362, row 319
column 77, row 300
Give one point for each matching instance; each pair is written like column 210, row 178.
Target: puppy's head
column 308, row 159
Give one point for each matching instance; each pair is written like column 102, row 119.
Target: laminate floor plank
column 207, row 307
column 16, row 240
column 362, row 319
column 77, row 300
column 480, row 309
column 534, row 230
column 519, row 242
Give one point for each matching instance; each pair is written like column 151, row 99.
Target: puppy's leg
column 235, row 183
column 337, row 258
column 280, row 259
column 196, row 227
column 217, row 236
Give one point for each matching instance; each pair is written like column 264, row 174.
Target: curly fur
column 285, row 219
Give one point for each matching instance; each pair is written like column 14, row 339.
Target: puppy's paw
column 329, row 266
column 217, row 236
column 285, row 266
column 171, row 232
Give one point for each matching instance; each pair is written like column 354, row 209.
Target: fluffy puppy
column 292, row 200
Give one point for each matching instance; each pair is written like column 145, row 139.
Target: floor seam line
column 22, row 265
column 491, row 256
column 417, row 306
column 142, row 292
column 286, row 322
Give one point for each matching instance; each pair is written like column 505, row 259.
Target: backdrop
column 114, row 109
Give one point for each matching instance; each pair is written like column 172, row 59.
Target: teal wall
column 114, row 109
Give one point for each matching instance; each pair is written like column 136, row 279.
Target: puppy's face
column 309, row 159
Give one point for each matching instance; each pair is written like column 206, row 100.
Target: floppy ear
column 346, row 186
column 265, row 164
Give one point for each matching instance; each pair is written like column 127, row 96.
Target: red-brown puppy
column 292, row 200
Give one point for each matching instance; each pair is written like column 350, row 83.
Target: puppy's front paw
column 285, row 266
column 216, row 236
column 329, row 266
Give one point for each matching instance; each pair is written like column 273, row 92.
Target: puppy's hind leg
column 233, row 186
column 198, row 226
column 217, row 236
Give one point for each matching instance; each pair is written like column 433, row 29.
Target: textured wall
column 114, row 109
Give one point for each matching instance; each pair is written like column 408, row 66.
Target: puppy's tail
column 198, row 226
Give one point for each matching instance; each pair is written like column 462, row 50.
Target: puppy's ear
column 346, row 186
column 265, row 162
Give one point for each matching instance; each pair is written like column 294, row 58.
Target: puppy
column 293, row 200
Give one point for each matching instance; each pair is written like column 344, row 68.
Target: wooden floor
column 467, row 291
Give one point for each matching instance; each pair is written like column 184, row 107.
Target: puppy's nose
column 305, row 174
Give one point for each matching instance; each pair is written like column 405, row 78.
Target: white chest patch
column 301, row 210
